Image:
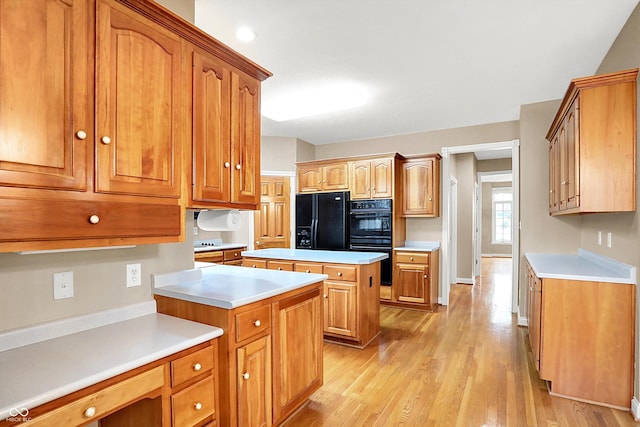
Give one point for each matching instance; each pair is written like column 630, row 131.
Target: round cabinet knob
column 81, row 135
column 430, row 199
column 257, row 323
column 245, row 375
column 197, row 367
column 238, row 166
column 325, row 296
column 425, row 276
column 279, row 268
column 94, row 219
column 411, row 258
column 254, row 266
column 339, row 273
column 227, row 164
column 89, row 412
column 308, row 271
column 197, row 406
column 105, row 140
column 235, row 254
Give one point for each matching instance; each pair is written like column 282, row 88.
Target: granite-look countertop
column 230, row 286
column 586, row 266
column 329, row 257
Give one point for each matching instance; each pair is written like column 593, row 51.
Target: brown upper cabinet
column 421, row 186
column 592, row 146
column 98, row 160
column 226, row 134
column 372, row 179
column 318, row 176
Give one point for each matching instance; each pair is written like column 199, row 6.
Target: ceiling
column 427, row 64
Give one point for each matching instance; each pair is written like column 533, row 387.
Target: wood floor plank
column 467, row 364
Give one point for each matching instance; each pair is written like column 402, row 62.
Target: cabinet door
column 335, row 177
column 309, row 179
column 211, row 129
column 535, row 299
column 382, row 179
column 273, row 218
column 44, row 101
column 572, row 173
column 419, row 183
column 297, row 351
column 340, row 308
column 139, row 112
column 245, row 139
column 411, row 284
column 361, row 180
column 554, row 175
column 254, row 384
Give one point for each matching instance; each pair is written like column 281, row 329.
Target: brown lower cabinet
column 180, row 390
column 351, row 297
column 270, row 354
column 415, row 280
column 582, row 336
column 226, row 257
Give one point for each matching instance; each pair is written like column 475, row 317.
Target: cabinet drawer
column 280, row 265
column 303, row 267
column 341, row 272
column 413, row 257
column 193, row 404
column 251, row 323
column 232, row 254
column 254, row 263
column 100, row 403
column 213, row 256
column 22, row 220
column 191, row 365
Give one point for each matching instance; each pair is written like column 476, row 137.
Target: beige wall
column 184, row 8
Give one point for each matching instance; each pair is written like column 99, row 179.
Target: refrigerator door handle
column 314, row 229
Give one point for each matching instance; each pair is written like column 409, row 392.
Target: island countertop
column 229, row 286
column 330, row 257
column 586, row 266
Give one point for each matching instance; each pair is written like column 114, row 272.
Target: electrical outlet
column 609, row 239
column 63, row 285
column 134, row 272
column 195, row 231
column 599, row 238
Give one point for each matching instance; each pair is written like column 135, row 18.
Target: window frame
column 494, row 191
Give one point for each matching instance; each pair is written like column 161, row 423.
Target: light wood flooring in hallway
column 467, row 364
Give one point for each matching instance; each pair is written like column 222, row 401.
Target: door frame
column 292, row 206
column 445, row 281
column 453, row 220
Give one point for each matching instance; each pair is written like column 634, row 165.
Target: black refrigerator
column 322, row 221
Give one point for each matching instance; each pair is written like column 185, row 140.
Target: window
column 501, row 201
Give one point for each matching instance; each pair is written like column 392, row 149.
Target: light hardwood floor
column 468, row 364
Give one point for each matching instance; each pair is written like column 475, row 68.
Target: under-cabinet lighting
column 54, row 251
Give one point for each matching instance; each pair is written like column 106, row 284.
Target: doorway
column 449, row 204
column 272, row 221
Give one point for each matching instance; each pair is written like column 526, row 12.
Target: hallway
column 467, row 364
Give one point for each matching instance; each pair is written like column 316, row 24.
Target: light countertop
column 220, row 247
column 586, row 266
column 42, row 371
column 418, row 246
column 230, row 286
column 332, row 257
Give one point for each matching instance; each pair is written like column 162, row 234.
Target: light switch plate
column 63, row 285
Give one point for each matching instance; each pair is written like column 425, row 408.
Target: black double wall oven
column 370, row 225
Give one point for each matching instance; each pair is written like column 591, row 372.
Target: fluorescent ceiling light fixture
column 314, row 101
column 245, row 34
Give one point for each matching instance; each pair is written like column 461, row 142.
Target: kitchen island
column 351, row 293
column 270, row 356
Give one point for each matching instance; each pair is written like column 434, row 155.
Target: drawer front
column 303, row 267
column 412, row 257
column 194, row 403
column 251, row 323
column 85, row 220
column 191, row 365
column 341, row 272
column 255, row 263
column 213, row 256
column 233, row 254
column 280, row 265
column 100, row 403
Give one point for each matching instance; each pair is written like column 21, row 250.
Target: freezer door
column 332, row 221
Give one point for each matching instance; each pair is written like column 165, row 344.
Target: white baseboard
column 465, row 280
column 635, row 409
column 496, row 255
column 523, row 321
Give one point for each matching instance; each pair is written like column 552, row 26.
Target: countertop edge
column 622, row 274
column 318, row 258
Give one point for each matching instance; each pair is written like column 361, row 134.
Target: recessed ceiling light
column 314, row 101
column 245, row 34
